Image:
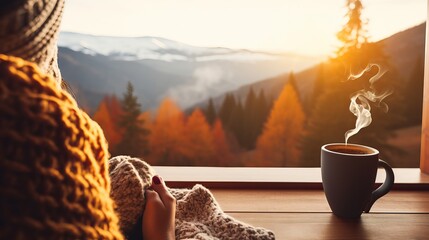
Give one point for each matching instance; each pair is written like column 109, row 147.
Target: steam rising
column 360, row 101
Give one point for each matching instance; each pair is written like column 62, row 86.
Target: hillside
column 402, row 49
column 158, row 68
column 91, row 77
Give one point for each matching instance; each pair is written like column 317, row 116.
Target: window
column 239, row 83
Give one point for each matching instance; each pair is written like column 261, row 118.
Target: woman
column 54, row 180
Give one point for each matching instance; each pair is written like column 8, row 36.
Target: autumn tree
column 103, row 117
column 198, row 140
column 292, row 81
column 166, row 141
column 222, row 151
column 134, row 140
column 278, row 143
column 114, row 107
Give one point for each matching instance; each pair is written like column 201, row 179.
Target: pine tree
column 250, row 120
column 330, row 117
column 263, row 108
column 355, row 51
column 329, row 121
column 210, row 112
column 353, row 34
column 225, row 112
column 236, row 122
column 134, row 141
column 319, row 86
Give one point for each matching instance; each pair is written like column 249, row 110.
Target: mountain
column 98, row 65
column 402, row 49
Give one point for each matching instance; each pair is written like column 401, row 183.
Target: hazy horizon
column 293, row 26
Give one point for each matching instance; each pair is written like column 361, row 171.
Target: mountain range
column 95, row 66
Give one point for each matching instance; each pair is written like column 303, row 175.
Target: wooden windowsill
column 273, row 178
column 291, row 202
column 305, row 214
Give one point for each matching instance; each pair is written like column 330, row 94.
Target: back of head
column 29, row 30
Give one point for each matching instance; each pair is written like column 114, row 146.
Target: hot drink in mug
column 348, row 176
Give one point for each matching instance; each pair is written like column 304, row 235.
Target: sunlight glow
column 300, row 26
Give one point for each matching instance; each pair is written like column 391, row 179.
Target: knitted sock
column 54, row 181
column 29, row 30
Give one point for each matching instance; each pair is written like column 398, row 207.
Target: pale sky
column 299, row 26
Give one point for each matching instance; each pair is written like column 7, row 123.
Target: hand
column 160, row 212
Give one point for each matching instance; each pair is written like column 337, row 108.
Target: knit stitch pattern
column 198, row 215
column 54, row 181
column 130, row 177
column 29, row 29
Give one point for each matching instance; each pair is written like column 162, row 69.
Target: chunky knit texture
column 29, row 29
column 198, row 215
column 130, row 177
column 54, row 181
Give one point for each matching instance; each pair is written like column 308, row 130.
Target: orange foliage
column 114, row 108
column 223, row 155
column 104, row 119
column 145, row 118
column 198, row 140
column 166, row 143
column 278, row 143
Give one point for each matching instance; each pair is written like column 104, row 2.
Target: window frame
column 301, row 178
column 274, row 178
column 424, row 149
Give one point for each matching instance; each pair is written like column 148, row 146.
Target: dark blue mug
column 348, row 176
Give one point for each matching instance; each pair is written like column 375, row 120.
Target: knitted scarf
column 54, row 181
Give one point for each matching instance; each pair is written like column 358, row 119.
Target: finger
column 159, row 186
column 153, row 199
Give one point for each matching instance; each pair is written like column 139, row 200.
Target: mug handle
column 385, row 187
